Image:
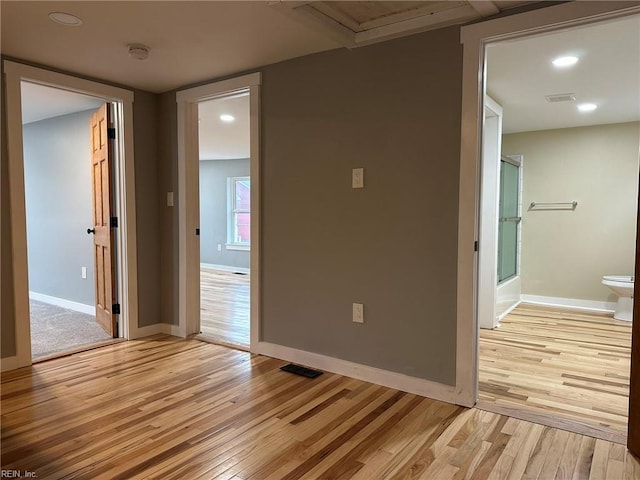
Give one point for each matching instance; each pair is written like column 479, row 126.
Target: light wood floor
column 167, row 408
column 559, row 365
column 224, row 307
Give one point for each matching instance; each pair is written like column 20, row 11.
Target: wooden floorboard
column 558, row 365
column 224, row 307
column 166, row 408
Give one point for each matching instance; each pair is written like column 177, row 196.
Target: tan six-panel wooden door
column 102, row 231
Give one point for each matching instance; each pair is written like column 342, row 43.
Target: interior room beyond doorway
column 550, row 348
column 225, row 219
column 58, row 198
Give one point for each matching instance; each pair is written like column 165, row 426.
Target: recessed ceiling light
column 587, row 107
column 65, row 19
column 225, row 117
column 562, row 62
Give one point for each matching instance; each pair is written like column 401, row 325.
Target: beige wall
column 566, row 253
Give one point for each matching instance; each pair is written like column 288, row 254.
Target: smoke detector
column 138, row 51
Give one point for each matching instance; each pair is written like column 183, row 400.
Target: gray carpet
column 56, row 329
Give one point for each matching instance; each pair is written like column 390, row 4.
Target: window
column 239, row 216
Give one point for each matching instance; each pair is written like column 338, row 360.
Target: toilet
column 623, row 287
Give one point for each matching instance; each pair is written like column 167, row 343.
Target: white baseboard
column 9, row 363
column 156, row 329
column 147, row 331
column 61, row 302
column 509, row 310
column 172, row 330
column 225, row 268
column 366, row 373
column 607, row 307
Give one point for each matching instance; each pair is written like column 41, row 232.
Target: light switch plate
column 169, row 199
column 358, row 312
column 357, row 178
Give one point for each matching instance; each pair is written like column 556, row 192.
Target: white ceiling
column 40, row 102
column 197, row 41
column 190, row 41
column 194, row 41
column 221, row 140
column 520, row 74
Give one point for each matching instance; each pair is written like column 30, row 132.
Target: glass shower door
column 508, row 219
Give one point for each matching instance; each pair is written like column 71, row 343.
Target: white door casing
column 488, row 221
column 188, row 199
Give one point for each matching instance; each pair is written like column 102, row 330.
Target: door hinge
column 113, row 222
column 115, row 309
column 475, row 246
column 198, row 231
column 111, row 133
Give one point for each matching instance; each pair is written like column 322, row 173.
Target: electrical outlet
column 169, row 199
column 219, row 247
column 84, row 272
column 358, row 312
column 357, row 178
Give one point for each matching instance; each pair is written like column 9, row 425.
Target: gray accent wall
column 394, row 109
column 169, row 227
column 149, row 202
column 57, row 177
column 213, row 211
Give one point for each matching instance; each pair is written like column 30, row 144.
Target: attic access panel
column 356, row 23
column 363, row 16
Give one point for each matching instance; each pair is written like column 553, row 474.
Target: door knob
column 91, row 230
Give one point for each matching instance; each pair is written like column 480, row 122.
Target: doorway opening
column 237, row 196
column 559, row 209
column 57, row 158
column 119, row 231
column 225, row 218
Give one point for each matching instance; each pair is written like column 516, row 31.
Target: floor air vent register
column 299, row 370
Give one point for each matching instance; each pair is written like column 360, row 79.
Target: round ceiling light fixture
column 563, row 62
column 65, row 19
column 225, row 117
column 138, row 51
